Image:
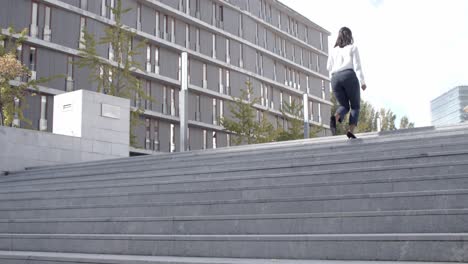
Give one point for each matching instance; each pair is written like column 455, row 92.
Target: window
column 84, row 4
column 311, row 111
column 156, row 135
column 317, row 66
column 187, row 36
column 321, row 41
column 197, row 44
column 221, row 109
column 69, row 79
column 172, row 147
column 43, row 119
column 272, row 103
column 164, row 102
column 213, row 50
column 198, row 108
column 241, row 60
column 111, row 13
column 284, row 48
column 188, row 70
column 111, row 52
column 148, row 58
column 187, row 7
column 32, row 62
column 279, row 20
column 281, row 100
column 205, row 78
column 215, row 140
column 319, row 113
column 47, row 30
column 33, row 29
column 262, row 94
column 156, row 60
column 204, row 139
column 241, row 25
column 293, row 74
column 302, row 56
column 81, row 43
column 221, row 14
column 306, row 34
column 220, row 81
column 138, row 23
column 172, row 30
column 147, row 134
column 228, row 52
column 213, row 14
column 215, row 112
column 103, row 8
column 148, row 102
column 228, row 83
column 197, row 8
column 179, row 71
column 274, row 71
column 256, row 33
column 173, row 106
column 165, row 27
column 156, row 25
column 323, row 89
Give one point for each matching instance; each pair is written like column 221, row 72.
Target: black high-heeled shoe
column 350, row 135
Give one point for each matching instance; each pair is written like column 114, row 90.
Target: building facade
column 447, row 109
column 228, row 42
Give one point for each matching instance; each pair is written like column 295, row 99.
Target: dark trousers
column 345, row 85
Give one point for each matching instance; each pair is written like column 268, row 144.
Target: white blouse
column 345, row 58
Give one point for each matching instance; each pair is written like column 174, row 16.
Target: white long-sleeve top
column 345, row 58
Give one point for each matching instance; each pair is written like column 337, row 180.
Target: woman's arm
column 357, row 66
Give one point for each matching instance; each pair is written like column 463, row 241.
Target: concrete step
column 415, row 200
column 161, row 162
column 231, row 168
column 22, row 257
column 381, row 247
column 240, row 179
column 423, row 183
column 413, row 135
column 404, row 221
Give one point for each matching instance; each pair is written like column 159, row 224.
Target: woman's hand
column 363, row 87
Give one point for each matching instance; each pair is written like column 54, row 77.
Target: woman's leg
column 354, row 95
column 342, row 100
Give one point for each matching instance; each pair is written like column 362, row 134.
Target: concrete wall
column 87, row 126
column 22, row 148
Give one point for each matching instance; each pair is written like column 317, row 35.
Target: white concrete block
column 120, row 150
column 101, row 147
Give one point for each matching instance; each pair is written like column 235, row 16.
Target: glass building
column 448, row 108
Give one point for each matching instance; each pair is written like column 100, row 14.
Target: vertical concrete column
column 183, row 103
column 305, row 110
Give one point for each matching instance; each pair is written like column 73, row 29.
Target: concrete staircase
column 398, row 196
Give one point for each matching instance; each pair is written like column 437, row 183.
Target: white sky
column 411, row 50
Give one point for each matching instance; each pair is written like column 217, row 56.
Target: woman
column 344, row 66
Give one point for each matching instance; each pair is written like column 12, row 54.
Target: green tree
column 405, row 123
column 295, row 125
column 387, row 118
column 244, row 124
column 10, row 69
column 115, row 76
